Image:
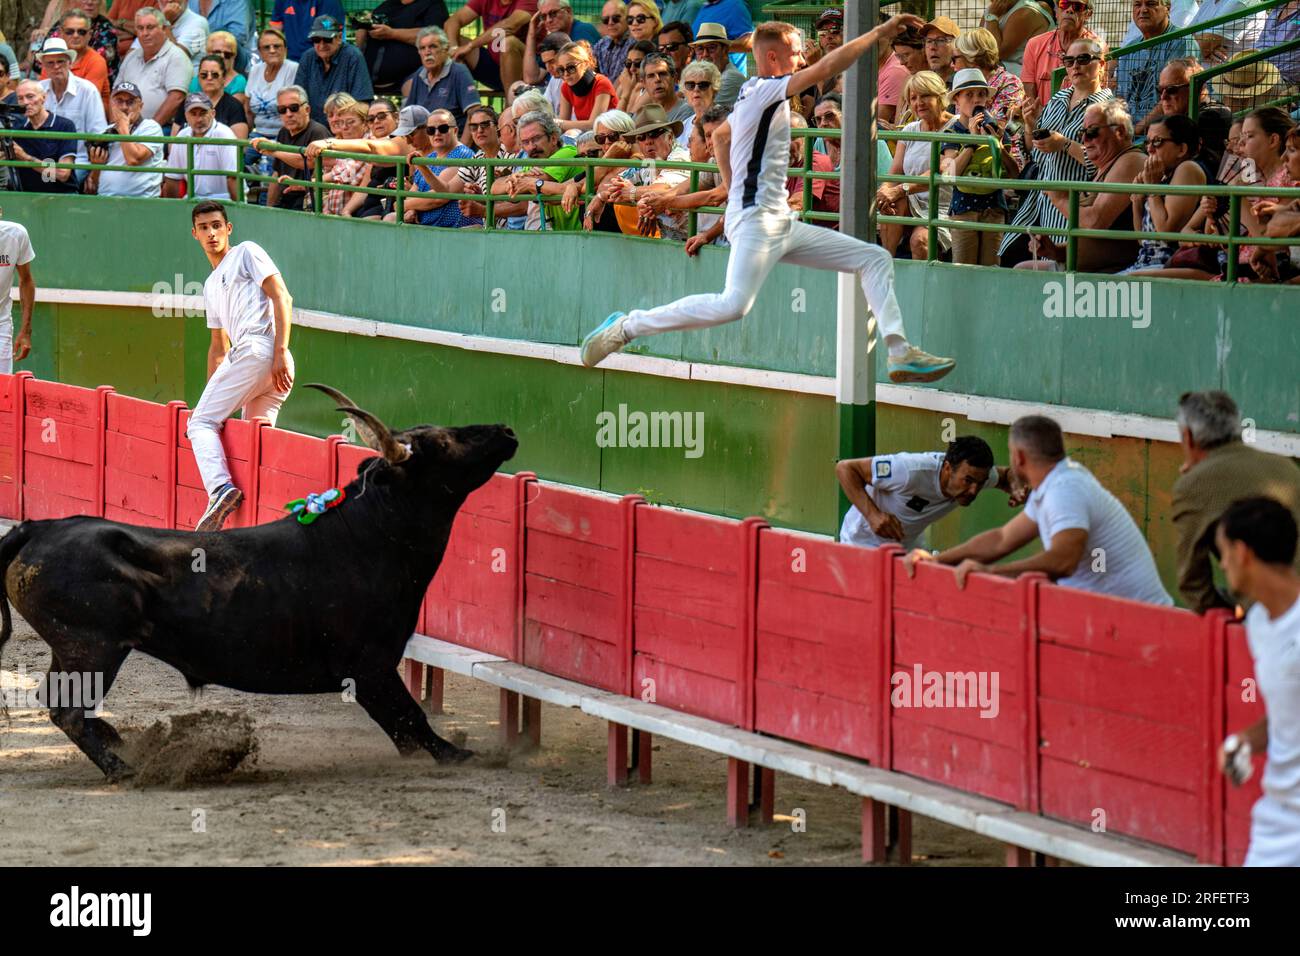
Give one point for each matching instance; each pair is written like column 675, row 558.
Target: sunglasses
column 605, row 139
column 1092, row 132
column 550, row 14
column 291, row 108
column 1155, row 142
column 829, row 120
column 589, row 154
column 671, row 47
column 639, row 19
column 1073, row 5
column 697, row 85
column 1171, row 89
column 610, row 21
column 653, row 134
column 486, row 124
column 571, row 70
column 316, row 40
column 440, row 128
column 632, row 65
column 224, row 54
column 1083, row 59
column 76, row 33
column 210, row 76
column 271, row 46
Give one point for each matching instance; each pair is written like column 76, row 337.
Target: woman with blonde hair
column 643, row 20
column 978, row 49
column 223, row 44
column 700, row 82
column 348, row 119
column 585, row 94
column 925, row 93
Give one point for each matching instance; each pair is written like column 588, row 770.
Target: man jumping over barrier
column 248, row 305
column 753, row 153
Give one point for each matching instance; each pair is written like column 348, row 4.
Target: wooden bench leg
column 532, row 722
column 643, row 751
column 764, row 794
column 436, row 675
column 874, row 818
column 509, row 716
column 616, row 756
column 737, row 792
column 414, row 678
column 1019, row 856
column 900, row 826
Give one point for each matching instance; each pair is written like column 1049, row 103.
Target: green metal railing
column 933, row 179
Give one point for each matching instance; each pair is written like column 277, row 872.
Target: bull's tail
column 10, row 545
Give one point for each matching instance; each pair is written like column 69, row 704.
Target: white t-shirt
column 1275, row 647
column 207, row 157
column 760, row 149
column 15, row 251
column 262, row 96
column 905, row 485
column 81, row 105
column 134, row 184
column 233, row 295
column 1069, row 498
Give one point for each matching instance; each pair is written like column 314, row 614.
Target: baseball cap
column 833, row 15
column 197, row 99
column 126, row 86
column 410, row 118
column 325, row 26
column 941, row 25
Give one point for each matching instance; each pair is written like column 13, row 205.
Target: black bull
column 280, row 608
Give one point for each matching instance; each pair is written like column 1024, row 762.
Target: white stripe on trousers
column 242, row 380
column 757, row 245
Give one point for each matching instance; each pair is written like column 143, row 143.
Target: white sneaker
column 604, row 340
column 915, row 365
column 220, row 507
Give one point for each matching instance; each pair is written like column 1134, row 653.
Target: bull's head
column 456, row 459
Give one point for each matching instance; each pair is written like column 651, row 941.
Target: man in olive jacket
column 1218, row 469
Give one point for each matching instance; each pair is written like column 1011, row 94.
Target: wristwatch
column 538, row 184
column 990, row 17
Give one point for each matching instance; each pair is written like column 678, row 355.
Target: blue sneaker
column 220, row 505
column 604, row 340
column 915, row 365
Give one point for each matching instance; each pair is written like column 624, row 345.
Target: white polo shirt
column 1071, row 498
column 80, row 104
column 1275, row 647
column 233, row 296
column 169, row 70
column 206, row 157
column 15, row 251
column 905, row 485
column 190, row 31
column 760, row 150
column 146, row 184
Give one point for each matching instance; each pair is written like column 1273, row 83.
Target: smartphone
column 1042, row 133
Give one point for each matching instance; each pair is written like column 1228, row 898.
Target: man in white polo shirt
column 126, row 104
column 1089, row 541
column 16, row 255
column 70, row 96
column 161, row 70
column 896, row 497
column 202, row 122
column 1256, row 539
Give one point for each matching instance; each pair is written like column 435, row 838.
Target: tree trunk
column 18, row 18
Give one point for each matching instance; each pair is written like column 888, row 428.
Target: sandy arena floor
column 326, row 787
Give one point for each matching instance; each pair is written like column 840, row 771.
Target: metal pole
column 855, row 376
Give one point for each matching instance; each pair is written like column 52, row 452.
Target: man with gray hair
column 539, row 137
column 160, row 70
column 1218, row 469
column 440, row 83
column 1090, row 541
column 297, row 128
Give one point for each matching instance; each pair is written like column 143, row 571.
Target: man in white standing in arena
column 16, row 255
column 248, row 306
column 1256, row 539
column 753, row 153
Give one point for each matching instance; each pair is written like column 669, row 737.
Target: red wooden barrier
column 1123, row 706
column 1242, row 706
column 688, row 603
column 818, row 675
column 239, row 438
column 63, row 448
column 953, row 636
column 11, row 430
column 139, row 461
column 574, row 556
column 472, row 598
column 291, row 466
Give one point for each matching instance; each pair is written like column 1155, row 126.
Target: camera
column 365, row 19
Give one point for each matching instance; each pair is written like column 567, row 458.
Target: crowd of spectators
column 638, row 85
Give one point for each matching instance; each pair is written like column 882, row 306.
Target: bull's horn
column 377, row 434
column 369, row 437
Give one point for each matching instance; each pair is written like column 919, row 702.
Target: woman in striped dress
column 1058, row 146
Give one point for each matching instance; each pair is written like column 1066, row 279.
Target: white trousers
column 1274, row 834
column 242, row 380
column 758, row 243
column 7, row 344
